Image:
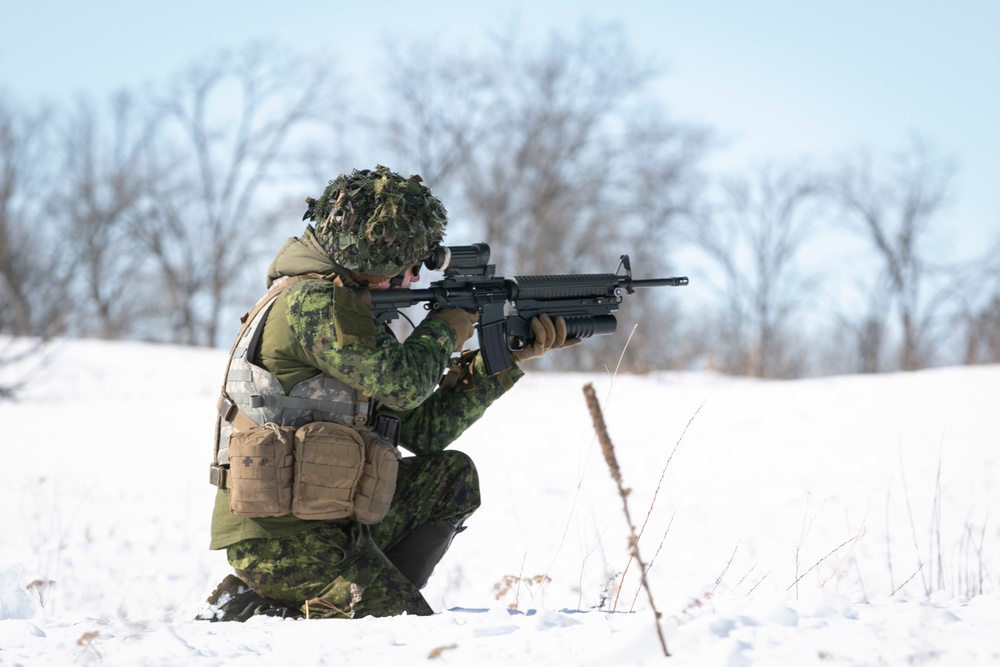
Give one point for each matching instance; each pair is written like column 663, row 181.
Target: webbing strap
column 295, row 403
column 232, row 414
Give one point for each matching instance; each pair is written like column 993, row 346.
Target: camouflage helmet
column 376, row 223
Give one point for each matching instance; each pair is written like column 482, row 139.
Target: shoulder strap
column 226, row 407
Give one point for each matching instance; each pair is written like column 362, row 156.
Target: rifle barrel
column 679, row 281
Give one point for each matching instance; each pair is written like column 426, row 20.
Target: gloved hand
column 549, row 335
column 459, row 320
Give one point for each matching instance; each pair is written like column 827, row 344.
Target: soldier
column 311, row 527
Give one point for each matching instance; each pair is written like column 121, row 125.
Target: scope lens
column 458, row 257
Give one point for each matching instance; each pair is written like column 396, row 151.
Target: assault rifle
column 506, row 305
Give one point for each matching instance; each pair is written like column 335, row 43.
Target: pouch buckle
column 227, row 408
column 218, row 476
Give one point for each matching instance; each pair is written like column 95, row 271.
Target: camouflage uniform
column 340, row 568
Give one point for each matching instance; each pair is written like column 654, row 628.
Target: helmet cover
column 376, row 223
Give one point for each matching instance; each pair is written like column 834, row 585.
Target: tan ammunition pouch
column 260, row 471
column 320, row 471
column 342, row 472
column 378, row 480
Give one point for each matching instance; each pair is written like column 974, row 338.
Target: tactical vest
column 307, row 453
column 253, row 396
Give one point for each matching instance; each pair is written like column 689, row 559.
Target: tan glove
column 549, row 335
column 459, row 320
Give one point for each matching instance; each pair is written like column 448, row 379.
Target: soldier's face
column 407, row 277
column 410, row 275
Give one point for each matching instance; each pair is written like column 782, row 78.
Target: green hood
column 301, row 255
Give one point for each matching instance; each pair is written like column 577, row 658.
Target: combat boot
column 416, row 555
column 234, row 600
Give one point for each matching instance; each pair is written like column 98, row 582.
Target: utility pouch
column 260, row 471
column 378, row 479
column 329, row 461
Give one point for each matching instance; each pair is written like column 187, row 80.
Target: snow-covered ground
column 838, row 521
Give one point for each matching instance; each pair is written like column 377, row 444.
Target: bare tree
column 439, row 112
column 32, row 275
column 982, row 337
column 855, row 342
column 894, row 213
column 559, row 158
column 980, row 314
column 225, row 139
column 103, row 186
column 573, row 154
column 752, row 237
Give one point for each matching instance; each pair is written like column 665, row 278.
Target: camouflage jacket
column 317, row 327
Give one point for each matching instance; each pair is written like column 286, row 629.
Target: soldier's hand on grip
column 460, row 320
column 549, row 335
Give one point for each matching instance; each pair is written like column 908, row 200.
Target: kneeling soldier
column 318, row 512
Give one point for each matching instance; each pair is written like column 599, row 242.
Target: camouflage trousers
column 339, row 569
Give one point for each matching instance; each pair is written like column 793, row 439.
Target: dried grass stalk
column 609, row 456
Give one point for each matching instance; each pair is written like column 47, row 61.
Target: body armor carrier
column 308, row 452
column 259, row 395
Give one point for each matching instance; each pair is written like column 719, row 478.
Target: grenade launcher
column 506, row 305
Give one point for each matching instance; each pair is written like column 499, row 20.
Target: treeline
column 154, row 214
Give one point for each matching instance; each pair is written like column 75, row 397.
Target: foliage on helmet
column 377, row 223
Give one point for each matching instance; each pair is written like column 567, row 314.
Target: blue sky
column 776, row 78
